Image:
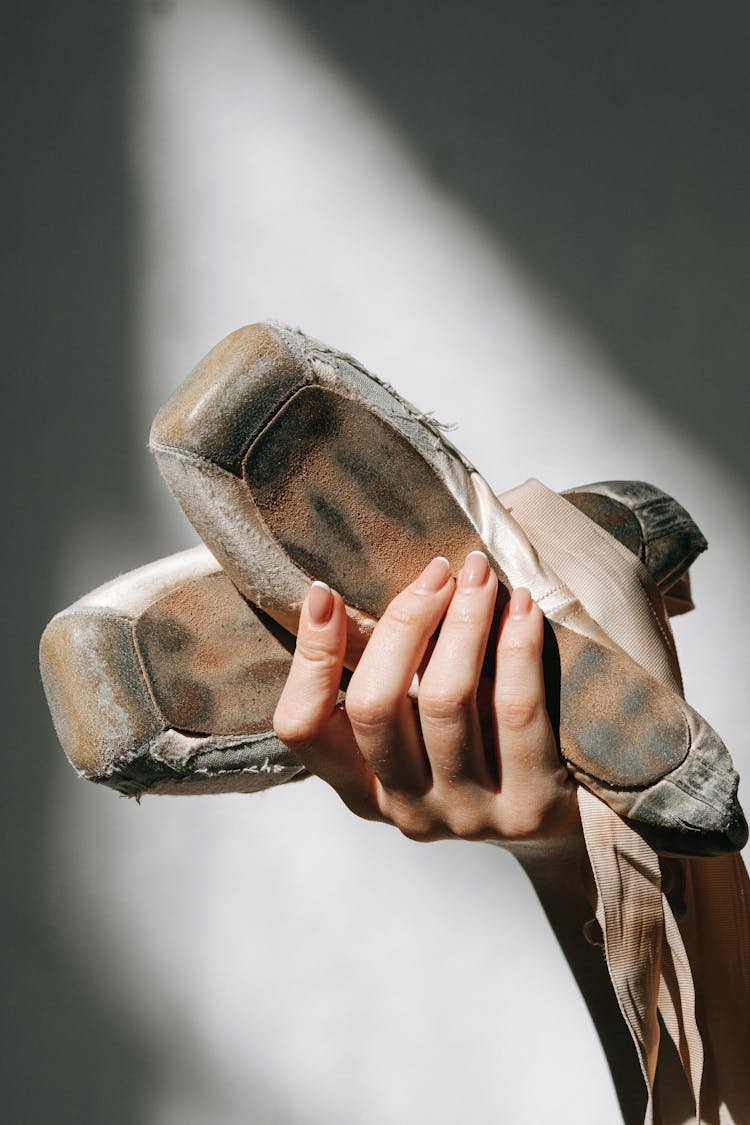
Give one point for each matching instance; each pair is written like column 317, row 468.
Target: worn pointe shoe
column 653, row 526
column 292, row 462
column 165, row 680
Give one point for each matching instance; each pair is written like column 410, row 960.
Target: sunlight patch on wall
column 288, row 961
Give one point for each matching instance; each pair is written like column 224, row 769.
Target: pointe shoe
column 165, row 680
column 293, row 462
column 653, row 526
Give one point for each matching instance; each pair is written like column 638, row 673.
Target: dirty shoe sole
column 165, row 681
column 292, row 463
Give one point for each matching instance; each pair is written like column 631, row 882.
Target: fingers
column 377, row 703
column 432, row 781
column 448, row 708
column 519, row 688
column 537, row 795
column 307, row 718
column 311, row 690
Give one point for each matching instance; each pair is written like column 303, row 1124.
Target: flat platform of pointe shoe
column 165, row 680
column 293, row 462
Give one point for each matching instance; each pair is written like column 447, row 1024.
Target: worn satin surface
column 691, row 965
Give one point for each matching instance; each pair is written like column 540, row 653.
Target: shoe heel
column 648, row 522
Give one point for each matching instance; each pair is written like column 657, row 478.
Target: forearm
column 561, row 876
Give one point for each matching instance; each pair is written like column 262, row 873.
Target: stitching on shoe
column 272, row 769
column 553, row 590
column 187, row 455
column 142, row 668
column 571, row 615
column 667, row 641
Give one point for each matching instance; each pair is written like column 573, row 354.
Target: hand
column 475, row 757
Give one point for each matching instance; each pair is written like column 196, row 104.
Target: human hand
column 474, row 757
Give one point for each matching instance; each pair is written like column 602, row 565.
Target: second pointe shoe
column 166, row 679
column 653, row 526
column 293, row 462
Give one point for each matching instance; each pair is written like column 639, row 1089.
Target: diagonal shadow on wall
column 73, row 444
column 606, row 145
column 67, row 267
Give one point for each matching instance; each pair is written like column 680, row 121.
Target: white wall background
column 280, row 961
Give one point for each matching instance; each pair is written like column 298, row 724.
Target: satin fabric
column 676, row 932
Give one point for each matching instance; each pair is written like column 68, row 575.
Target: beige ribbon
column 652, row 959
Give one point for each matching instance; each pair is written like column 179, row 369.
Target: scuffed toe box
column 225, row 401
column 99, row 703
column 694, row 810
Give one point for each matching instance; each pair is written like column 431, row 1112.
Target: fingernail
column 434, row 576
column 474, row 572
column 319, row 603
column 520, row 603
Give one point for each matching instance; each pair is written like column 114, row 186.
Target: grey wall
column 606, row 144
column 67, row 206
column 599, row 153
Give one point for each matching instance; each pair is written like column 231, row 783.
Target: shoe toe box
column 217, row 411
column 695, row 809
column 99, row 703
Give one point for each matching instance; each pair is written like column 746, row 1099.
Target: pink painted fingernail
column 320, row 603
column 474, row 572
column 520, row 603
column 434, row 576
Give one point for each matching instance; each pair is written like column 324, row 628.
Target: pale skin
column 436, row 768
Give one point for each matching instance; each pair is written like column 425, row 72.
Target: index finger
column 307, row 718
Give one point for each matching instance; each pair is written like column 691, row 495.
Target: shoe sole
column 293, row 462
column 165, row 680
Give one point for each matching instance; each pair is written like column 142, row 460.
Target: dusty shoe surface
column 653, row 526
column 292, row 463
column 182, row 652
column 165, row 680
